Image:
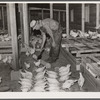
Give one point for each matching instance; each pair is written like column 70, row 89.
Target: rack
column 82, row 46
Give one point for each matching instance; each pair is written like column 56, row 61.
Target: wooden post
column 25, row 23
column 21, row 23
column 83, row 18
column 67, row 20
column 12, row 21
column 97, row 14
column 3, row 19
column 42, row 12
column 8, row 21
column 29, row 18
column 51, row 10
column 59, row 16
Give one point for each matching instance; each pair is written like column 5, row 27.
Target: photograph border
column 50, row 96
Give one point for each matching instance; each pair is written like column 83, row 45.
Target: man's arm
column 44, row 38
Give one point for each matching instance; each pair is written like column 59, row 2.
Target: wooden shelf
column 5, row 44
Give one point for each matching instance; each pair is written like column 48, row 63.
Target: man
column 54, row 30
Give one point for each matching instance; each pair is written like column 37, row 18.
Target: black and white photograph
column 50, row 47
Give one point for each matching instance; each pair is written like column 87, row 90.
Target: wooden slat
column 59, row 16
column 6, row 51
column 83, row 17
column 87, row 39
column 88, row 74
column 67, row 20
column 13, row 30
column 69, row 43
column 90, row 79
column 3, row 18
column 85, row 43
column 83, row 46
column 41, row 12
column 86, row 51
column 21, row 22
column 97, row 14
column 91, row 42
column 51, row 10
column 97, row 41
column 75, row 46
column 4, row 55
column 25, row 23
column 92, row 54
column 95, row 59
column 8, row 21
column 92, row 61
column 88, row 45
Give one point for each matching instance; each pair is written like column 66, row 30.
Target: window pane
column 5, row 17
column 35, row 14
column 46, row 14
column 55, row 15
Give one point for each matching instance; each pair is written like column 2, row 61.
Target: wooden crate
column 91, row 80
column 5, row 47
column 81, row 46
column 5, row 44
column 91, row 67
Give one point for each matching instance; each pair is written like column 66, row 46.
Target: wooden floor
column 63, row 60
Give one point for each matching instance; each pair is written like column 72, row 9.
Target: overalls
column 54, row 29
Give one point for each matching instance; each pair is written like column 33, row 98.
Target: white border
column 91, row 2
column 39, row 95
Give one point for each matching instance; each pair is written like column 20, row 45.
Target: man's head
column 34, row 24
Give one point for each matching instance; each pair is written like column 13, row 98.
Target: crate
column 81, row 46
column 91, row 65
column 5, row 44
column 5, row 47
column 92, row 62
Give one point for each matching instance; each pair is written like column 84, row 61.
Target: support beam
column 25, row 23
column 3, row 21
column 83, row 18
column 8, row 21
column 21, row 23
column 51, row 10
column 67, row 20
column 97, row 14
column 13, row 30
column 59, row 16
column 87, row 13
column 42, row 13
column 29, row 18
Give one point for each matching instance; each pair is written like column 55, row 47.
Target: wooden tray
column 81, row 46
